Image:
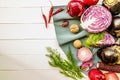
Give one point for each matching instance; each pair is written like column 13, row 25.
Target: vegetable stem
column 66, row 66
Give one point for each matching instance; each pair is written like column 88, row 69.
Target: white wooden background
column 24, row 38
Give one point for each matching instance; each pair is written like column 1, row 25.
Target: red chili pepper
column 57, row 11
column 45, row 18
column 65, row 23
column 50, row 12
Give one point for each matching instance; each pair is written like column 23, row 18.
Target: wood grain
column 32, row 75
column 27, row 31
column 24, row 38
column 27, row 47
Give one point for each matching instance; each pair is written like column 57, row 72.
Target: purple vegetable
column 86, row 65
column 84, row 54
column 96, row 19
column 75, row 8
column 99, row 39
column 108, row 39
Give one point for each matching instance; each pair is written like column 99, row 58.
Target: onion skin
column 86, row 66
column 96, row 19
column 75, row 8
column 84, row 54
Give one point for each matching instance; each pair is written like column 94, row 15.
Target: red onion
column 84, row 54
column 75, row 8
column 96, row 19
column 86, row 65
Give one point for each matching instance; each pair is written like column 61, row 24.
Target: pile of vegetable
column 102, row 23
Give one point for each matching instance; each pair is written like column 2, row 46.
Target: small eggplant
column 110, row 54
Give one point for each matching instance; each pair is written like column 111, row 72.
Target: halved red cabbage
column 96, row 19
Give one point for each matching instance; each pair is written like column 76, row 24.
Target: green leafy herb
column 66, row 66
column 70, row 57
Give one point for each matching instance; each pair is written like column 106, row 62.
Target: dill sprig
column 66, row 66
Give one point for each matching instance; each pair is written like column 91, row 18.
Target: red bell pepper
column 95, row 74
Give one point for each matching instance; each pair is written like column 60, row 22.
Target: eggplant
column 112, row 5
column 110, row 54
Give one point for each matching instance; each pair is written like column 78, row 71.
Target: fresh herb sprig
column 66, row 66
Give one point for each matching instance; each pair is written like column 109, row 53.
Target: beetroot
column 96, row 19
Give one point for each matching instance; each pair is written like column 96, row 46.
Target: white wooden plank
column 30, row 3
column 21, row 62
column 25, row 62
column 26, row 47
column 20, row 15
column 27, row 31
column 25, row 54
column 23, row 15
column 32, row 75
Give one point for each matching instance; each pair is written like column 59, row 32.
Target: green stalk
column 66, row 66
